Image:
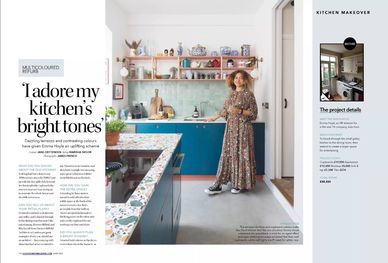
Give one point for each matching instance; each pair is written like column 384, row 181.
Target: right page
column 349, row 101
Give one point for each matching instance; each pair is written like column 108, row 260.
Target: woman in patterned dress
column 237, row 162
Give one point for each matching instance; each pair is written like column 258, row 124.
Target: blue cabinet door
column 163, row 226
column 155, row 128
column 191, row 147
column 156, row 221
column 149, row 219
column 164, row 231
column 259, row 137
column 211, row 144
column 201, row 144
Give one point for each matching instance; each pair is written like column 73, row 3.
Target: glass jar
column 245, row 50
column 132, row 71
column 179, row 49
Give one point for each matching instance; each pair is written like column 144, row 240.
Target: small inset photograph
column 341, row 73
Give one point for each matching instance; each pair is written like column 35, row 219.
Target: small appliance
column 137, row 111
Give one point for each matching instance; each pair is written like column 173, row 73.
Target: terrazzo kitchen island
column 151, row 214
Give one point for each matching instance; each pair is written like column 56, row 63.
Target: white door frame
column 278, row 55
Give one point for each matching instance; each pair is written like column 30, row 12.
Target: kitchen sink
column 134, row 165
column 194, row 119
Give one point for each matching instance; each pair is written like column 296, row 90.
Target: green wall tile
column 182, row 95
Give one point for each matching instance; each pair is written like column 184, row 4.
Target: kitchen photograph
column 342, row 73
column 203, row 127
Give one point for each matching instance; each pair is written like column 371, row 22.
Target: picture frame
column 118, row 91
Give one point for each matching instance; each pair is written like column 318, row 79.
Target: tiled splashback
column 349, row 77
column 181, row 95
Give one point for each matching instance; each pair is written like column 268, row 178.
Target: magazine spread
column 172, row 130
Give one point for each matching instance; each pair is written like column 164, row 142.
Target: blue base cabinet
column 155, row 128
column 160, row 220
column 202, row 143
column 259, row 137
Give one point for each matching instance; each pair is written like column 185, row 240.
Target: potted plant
column 113, row 127
column 132, row 47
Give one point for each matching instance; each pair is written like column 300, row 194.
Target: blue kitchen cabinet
column 155, row 128
column 160, row 220
column 191, row 147
column 202, row 144
column 211, row 145
column 176, row 192
column 206, row 154
column 162, row 233
column 153, row 220
column 259, row 137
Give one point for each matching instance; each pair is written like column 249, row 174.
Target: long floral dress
column 237, row 162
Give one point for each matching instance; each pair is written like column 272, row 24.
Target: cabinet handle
column 196, row 126
column 157, row 126
column 204, row 126
column 285, row 103
column 161, row 218
column 177, row 168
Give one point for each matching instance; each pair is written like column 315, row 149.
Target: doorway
column 284, row 39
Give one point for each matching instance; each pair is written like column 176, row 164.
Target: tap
column 203, row 108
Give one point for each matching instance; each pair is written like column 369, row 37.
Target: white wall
column 265, row 46
column 266, row 90
column 160, row 32
column 299, row 98
column 116, row 21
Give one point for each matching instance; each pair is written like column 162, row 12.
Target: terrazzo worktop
column 180, row 120
column 121, row 219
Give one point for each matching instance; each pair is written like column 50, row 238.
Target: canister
column 245, row 50
column 132, row 71
column 140, row 72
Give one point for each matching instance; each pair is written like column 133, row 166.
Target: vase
column 179, row 49
column 132, row 52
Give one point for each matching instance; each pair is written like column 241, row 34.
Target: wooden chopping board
column 156, row 103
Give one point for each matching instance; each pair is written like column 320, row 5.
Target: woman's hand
column 211, row 119
column 234, row 110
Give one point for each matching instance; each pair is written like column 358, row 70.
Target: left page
column 52, row 113
column 194, row 93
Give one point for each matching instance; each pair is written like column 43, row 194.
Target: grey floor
column 218, row 219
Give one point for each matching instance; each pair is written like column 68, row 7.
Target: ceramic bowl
column 198, row 50
column 234, row 53
column 225, row 51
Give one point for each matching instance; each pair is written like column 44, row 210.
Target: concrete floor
column 218, row 219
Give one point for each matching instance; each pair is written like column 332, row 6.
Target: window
column 329, row 69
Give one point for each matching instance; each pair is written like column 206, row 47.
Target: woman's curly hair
column 246, row 77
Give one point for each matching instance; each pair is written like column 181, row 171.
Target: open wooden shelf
column 140, row 58
column 145, row 80
column 155, row 61
column 206, row 68
column 237, row 68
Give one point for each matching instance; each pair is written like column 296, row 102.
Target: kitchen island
column 121, row 219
